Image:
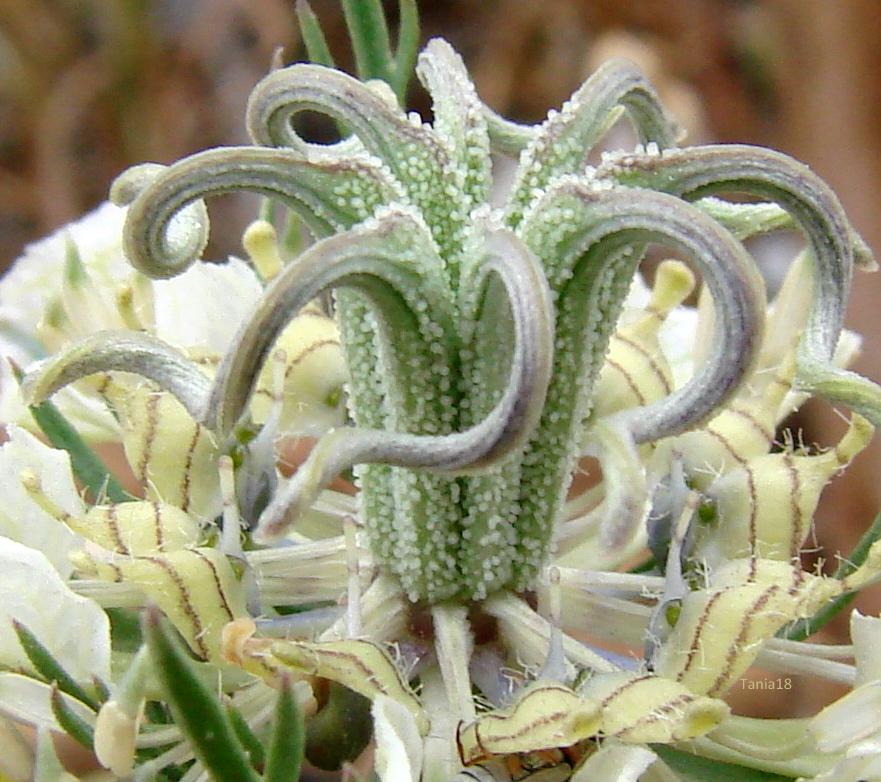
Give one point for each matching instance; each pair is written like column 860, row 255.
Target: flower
column 486, row 357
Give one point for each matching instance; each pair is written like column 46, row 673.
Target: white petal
column 398, row 743
column 866, row 634
column 204, row 306
column 853, row 717
column 36, row 277
column 21, row 519
column 72, row 628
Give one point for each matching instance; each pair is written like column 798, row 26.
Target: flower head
column 485, row 357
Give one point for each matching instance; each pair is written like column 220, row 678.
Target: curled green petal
column 700, row 171
column 382, row 127
column 507, row 137
column 459, row 119
column 165, row 232
column 120, row 351
column 581, row 229
column 563, row 142
column 835, row 244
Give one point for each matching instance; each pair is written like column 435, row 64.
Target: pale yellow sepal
column 721, row 629
column 741, row 431
column 197, row 589
column 646, row 709
column 361, row 666
column 635, row 371
column 314, row 375
column 174, row 456
column 544, row 716
column 133, row 528
column 766, row 506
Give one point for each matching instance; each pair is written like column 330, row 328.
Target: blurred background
column 89, row 87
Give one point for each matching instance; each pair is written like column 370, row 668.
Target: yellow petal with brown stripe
column 138, row 528
column 314, row 375
column 197, row 589
column 765, row 507
column 544, row 716
column 361, row 666
column 651, row 708
column 174, row 456
column 720, row 630
column 636, row 371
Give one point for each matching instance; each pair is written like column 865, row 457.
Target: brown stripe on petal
column 726, row 444
column 656, row 715
column 187, row 472
column 217, row 582
column 623, row 688
column 149, row 435
column 753, row 523
column 722, row 680
column 184, row 603
column 635, row 390
column 764, row 432
column 651, row 360
column 157, row 526
column 695, row 638
column 794, row 508
column 104, row 383
column 113, row 527
column 307, row 351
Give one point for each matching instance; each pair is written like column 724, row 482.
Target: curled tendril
column 372, row 116
column 564, row 141
column 836, row 246
column 610, row 221
column 167, row 223
column 122, row 351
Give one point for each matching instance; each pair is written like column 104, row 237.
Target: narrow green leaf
column 288, row 738
column 691, row 768
column 195, row 707
column 74, row 725
column 101, row 689
column 313, row 36
column 368, row 32
column 48, row 667
column 125, row 629
column 408, row 47
column 97, row 480
column 252, row 745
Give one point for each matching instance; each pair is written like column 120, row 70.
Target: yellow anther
column 260, row 241
column 134, row 528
